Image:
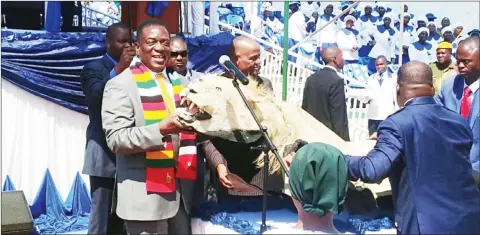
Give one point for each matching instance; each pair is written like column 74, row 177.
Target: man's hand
column 171, row 125
column 354, row 48
column 125, row 59
column 222, row 172
column 373, row 136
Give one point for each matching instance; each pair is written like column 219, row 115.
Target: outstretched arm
column 376, row 166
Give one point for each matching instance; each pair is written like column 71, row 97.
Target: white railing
column 94, row 18
column 297, row 75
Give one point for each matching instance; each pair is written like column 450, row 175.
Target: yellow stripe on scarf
column 167, row 99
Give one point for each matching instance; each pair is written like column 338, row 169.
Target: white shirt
column 297, row 26
column 473, row 87
column 168, row 84
column 346, row 40
column 382, row 97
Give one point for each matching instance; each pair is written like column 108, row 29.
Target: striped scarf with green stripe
column 161, row 168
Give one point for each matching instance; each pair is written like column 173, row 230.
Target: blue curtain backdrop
column 52, row 16
column 155, row 8
column 49, row 64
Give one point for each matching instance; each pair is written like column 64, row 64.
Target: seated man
column 318, row 186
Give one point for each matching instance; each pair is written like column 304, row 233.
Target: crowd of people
column 146, row 176
column 363, row 33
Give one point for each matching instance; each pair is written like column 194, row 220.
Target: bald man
column 423, row 148
column 324, row 94
column 236, row 160
column 177, row 63
column 461, row 94
column 245, row 54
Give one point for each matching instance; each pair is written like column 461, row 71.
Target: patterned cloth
column 358, row 72
column 157, row 105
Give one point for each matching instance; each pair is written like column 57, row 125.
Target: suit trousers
column 179, row 224
column 102, row 220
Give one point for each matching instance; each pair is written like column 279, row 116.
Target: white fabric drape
column 198, row 18
column 38, row 134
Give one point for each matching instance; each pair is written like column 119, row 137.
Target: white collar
column 474, row 86
column 328, row 66
column 137, row 59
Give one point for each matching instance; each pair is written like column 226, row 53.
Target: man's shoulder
column 122, row 78
column 96, row 64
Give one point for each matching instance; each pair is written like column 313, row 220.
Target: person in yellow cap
column 444, row 67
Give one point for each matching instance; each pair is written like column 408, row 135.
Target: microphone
column 228, row 64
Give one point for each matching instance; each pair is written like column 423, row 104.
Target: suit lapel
column 108, row 63
column 474, row 115
column 458, row 92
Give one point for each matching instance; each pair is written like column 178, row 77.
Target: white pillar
column 198, row 18
column 214, row 17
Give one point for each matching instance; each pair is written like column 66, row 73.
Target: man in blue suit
column 424, row 150
column 99, row 162
column 461, row 94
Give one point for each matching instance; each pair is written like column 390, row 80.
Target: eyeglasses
column 176, row 53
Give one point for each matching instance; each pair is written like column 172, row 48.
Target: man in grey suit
column 130, row 138
column 99, row 162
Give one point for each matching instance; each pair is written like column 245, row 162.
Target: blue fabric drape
column 49, row 64
column 52, row 16
column 8, row 185
column 51, row 215
column 155, row 8
column 222, row 214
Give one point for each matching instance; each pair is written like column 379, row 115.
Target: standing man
column 423, row 148
column 444, row 67
column 461, row 94
column 324, row 94
column 154, row 174
column 99, row 161
column 179, row 59
column 381, row 95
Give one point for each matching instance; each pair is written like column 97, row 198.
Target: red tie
column 465, row 103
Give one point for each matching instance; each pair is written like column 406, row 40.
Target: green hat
column 318, row 178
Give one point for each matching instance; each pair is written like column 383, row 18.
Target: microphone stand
column 266, row 147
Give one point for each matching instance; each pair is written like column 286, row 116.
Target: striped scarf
column 161, row 168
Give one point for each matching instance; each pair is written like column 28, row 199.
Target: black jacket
column 99, row 160
column 324, row 98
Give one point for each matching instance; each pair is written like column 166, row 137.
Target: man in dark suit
column 324, row 94
column 423, row 148
column 99, row 161
column 461, row 94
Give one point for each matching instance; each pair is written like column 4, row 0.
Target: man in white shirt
column 381, row 95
